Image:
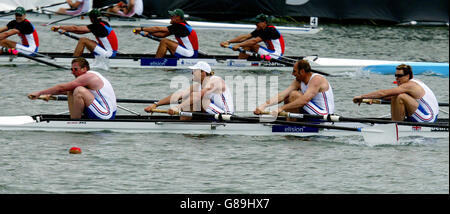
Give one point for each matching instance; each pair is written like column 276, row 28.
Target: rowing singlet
column 220, row 103
column 106, row 37
column 104, row 105
column 84, row 7
column 186, row 38
column 28, row 35
column 272, row 38
column 428, row 106
column 322, row 103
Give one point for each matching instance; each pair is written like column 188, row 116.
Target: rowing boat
column 172, row 124
column 226, row 62
column 41, row 18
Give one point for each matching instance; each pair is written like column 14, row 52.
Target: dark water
column 39, row 162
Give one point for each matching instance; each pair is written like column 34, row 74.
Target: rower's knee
column 293, row 96
column 400, row 98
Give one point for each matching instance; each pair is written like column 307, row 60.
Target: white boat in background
column 230, row 62
column 43, row 18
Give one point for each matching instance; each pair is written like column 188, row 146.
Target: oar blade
column 381, row 134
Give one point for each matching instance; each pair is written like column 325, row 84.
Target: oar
column 373, row 135
column 65, row 33
column 335, row 118
column 269, row 58
column 70, row 17
column 380, row 101
column 17, row 53
column 202, row 53
column 39, row 8
column 64, row 98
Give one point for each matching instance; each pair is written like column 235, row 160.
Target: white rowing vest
column 322, row 103
column 220, row 103
column 428, row 105
column 105, row 96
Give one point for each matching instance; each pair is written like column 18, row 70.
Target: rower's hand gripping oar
column 13, row 51
column 148, row 35
column 271, row 59
column 65, row 33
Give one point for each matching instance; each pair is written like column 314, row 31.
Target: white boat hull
column 27, row 123
column 39, row 18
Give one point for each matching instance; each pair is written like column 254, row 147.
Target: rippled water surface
column 39, row 162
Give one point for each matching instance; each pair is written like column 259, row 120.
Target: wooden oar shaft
column 16, row 52
column 386, row 102
column 64, row 98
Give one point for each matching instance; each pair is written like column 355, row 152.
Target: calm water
column 39, row 162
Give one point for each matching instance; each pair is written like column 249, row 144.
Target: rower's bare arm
column 3, row 29
column 76, row 29
column 9, row 33
column 250, row 42
column 238, row 39
column 279, row 98
column 314, row 87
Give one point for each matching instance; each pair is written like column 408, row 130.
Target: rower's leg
column 164, row 46
column 294, row 95
column 80, row 99
column 82, row 43
column 402, row 105
column 253, row 48
column 7, row 43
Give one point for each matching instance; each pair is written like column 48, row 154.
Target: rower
column 24, row 29
column 129, row 9
column 76, row 8
column 90, row 94
column 309, row 93
column 186, row 45
column 107, row 43
column 412, row 100
column 264, row 31
column 208, row 93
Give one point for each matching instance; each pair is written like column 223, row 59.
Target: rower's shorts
column 423, row 114
column 264, row 51
column 183, row 52
column 314, row 109
column 99, row 50
column 26, row 49
column 99, row 111
column 219, row 104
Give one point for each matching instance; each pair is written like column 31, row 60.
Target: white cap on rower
column 202, row 65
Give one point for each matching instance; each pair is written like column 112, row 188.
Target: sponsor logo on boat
column 439, row 129
column 75, row 122
column 158, row 62
column 293, row 129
